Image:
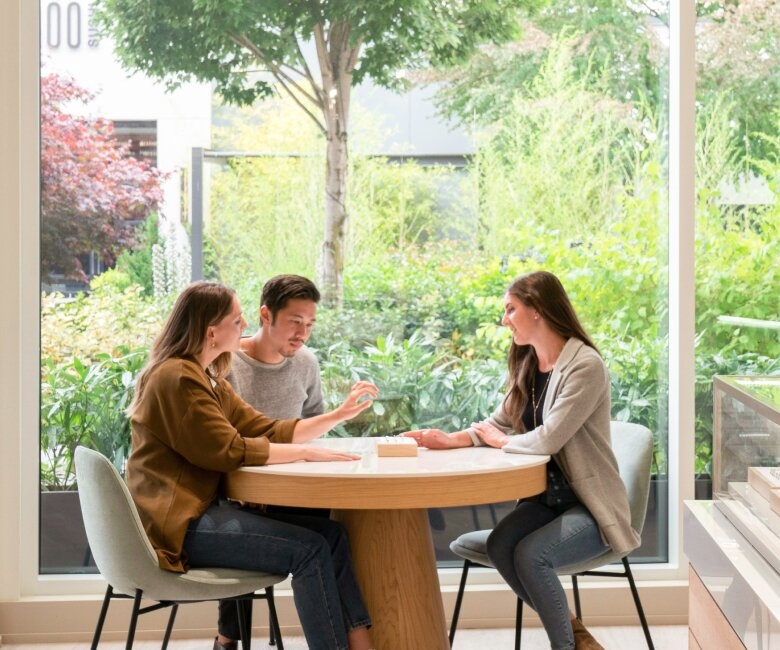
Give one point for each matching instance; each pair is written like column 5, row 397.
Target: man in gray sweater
column 274, row 371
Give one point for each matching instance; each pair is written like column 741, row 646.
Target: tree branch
column 282, row 77
column 308, row 74
column 297, row 100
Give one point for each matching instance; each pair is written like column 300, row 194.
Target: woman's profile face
column 521, row 320
column 226, row 334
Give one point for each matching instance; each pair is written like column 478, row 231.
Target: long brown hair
column 543, row 292
column 200, row 305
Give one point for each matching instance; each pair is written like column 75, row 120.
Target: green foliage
column 136, row 262
column 264, row 210
column 400, row 205
column 218, row 41
column 420, row 385
column 610, row 36
column 738, row 57
column 97, row 323
column 566, row 180
column 83, row 403
column 224, row 43
column 562, row 156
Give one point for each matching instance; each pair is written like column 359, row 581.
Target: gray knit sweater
column 290, row 389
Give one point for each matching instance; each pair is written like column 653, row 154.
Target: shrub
column 84, row 403
column 98, row 323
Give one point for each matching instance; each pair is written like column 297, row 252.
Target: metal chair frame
column 626, row 573
column 244, row 616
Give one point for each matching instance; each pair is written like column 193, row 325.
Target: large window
column 737, row 205
column 565, row 169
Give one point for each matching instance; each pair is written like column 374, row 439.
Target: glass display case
column 746, row 459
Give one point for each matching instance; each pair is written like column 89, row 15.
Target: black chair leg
column 459, row 599
column 273, row 619
column 102, row 617
column 244, row 606
column 638, row 603
column 576, row 589
column 169, row 627
column 134, row 619
column 518, row 623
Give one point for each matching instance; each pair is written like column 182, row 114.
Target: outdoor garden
column 569, row 116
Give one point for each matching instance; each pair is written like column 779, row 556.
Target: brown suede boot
column 582, row 638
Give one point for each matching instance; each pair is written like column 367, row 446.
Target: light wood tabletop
column 382, row 501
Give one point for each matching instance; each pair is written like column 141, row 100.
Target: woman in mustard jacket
column 189, row 428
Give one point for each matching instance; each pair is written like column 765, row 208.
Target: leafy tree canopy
column 249, row 48
column 738, row 57
column 610, row 35
column 223, row 41
column 91, row 187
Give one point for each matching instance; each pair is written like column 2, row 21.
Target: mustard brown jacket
column 187, row 431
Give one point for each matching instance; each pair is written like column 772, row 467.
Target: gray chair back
column 633, row 448
column 115, row 534
column 124, row 555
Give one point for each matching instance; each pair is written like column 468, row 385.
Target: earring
column 213, row 345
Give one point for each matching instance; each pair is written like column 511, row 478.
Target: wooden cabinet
column 707, row 626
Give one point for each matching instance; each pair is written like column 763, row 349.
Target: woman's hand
column 360, row 397
column 490, row 435
column 289, row 453
column 318, row 454
column 436, row 439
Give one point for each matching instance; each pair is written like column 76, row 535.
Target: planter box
column 64, row 547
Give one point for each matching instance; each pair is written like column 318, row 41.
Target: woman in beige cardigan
column 557, row 402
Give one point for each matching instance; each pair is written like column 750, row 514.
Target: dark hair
column 200, row 305
column 543, row 292
column 280, row 289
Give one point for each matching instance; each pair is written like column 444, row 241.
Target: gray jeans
column 529, row 544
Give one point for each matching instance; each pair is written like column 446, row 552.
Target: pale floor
column 665, row 637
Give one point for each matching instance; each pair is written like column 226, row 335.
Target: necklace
column 534, row 402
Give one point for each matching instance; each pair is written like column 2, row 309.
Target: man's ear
column 265, row 316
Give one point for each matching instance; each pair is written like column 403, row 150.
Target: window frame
column 22, row 503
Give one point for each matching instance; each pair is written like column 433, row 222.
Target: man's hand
column 360, row 397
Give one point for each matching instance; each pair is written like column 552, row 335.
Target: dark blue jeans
column 315, row 550
column 529, row 544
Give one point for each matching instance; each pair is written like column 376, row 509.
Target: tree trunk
column 337, row 59
column 332, row 261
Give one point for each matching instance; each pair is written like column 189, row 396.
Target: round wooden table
column 382, row 502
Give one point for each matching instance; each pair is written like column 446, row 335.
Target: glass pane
column 110, row 201
column 546, row 152
column 737, row 211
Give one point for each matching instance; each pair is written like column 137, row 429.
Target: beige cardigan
column 576, row 433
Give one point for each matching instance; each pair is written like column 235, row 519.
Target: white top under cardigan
column 576, row 433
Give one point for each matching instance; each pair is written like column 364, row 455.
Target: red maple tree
column 91, row 188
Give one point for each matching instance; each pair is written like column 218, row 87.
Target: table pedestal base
column 396, row 567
